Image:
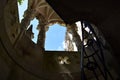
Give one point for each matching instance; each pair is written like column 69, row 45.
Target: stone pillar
column 42, row 30
column 68, row 42
column 41, row 36
column 29, row 32
column 76, row 37
column 28, row 16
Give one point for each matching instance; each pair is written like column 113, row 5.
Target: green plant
column 20, row 1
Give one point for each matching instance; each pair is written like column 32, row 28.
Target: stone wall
column 11, row 20
column 12, row 65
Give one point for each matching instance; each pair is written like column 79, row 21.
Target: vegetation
column 20, row 1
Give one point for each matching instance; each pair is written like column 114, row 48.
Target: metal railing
column 92, row 55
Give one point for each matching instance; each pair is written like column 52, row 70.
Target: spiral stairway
column 28, row 61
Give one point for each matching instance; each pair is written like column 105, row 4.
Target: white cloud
column 62, row 46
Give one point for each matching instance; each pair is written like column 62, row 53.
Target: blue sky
column 54, row 36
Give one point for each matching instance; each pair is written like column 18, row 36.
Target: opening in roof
column 22, row 6
column 55, row 38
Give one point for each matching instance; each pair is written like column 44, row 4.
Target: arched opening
column 55, row 37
